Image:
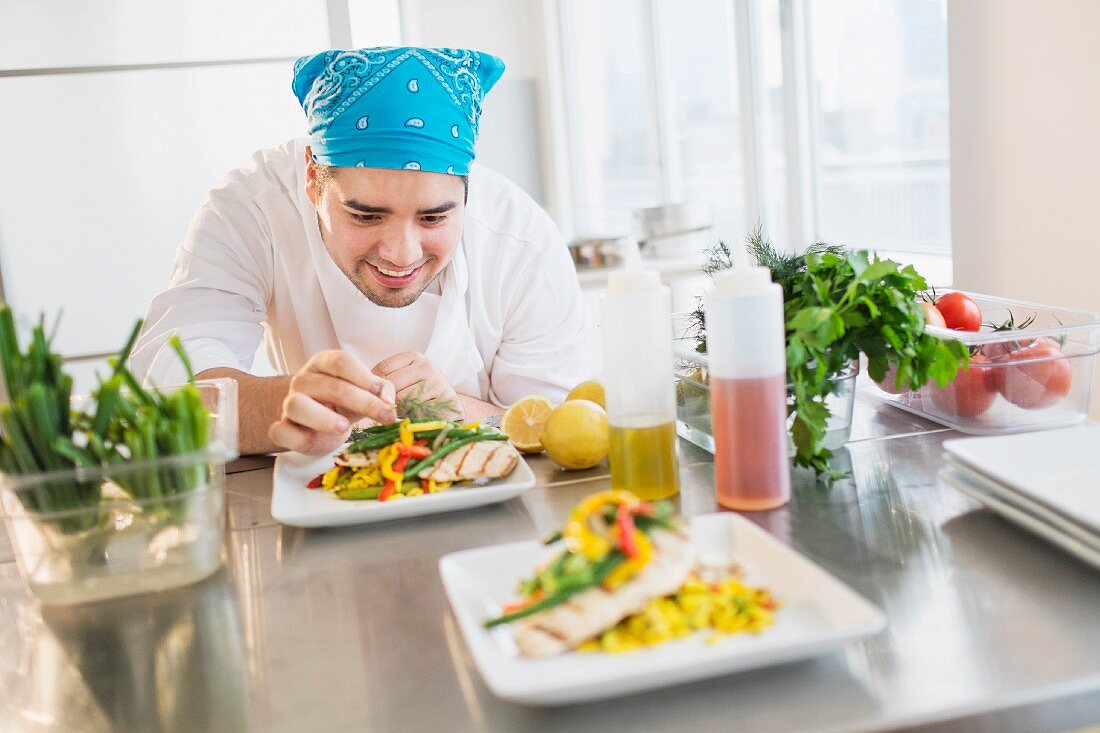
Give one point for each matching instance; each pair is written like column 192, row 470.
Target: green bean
column 369, row 492
column 600, row 571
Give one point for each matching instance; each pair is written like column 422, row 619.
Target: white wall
column 1025, row 150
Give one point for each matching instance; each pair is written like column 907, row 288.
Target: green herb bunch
column 40, row 432
column 837, row 305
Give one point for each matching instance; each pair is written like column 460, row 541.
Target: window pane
column 880, row 81
column 615, row 159
column 703, row 91
column 772, row 126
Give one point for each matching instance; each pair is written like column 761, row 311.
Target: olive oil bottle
column 636, row 325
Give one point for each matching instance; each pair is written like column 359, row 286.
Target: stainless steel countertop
column 990, row 629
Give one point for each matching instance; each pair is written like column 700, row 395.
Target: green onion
column 40, row 432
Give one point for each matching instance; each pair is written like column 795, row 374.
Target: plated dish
column 627, row 577
column 635, row 635
column 408, row 469
column 414, row 457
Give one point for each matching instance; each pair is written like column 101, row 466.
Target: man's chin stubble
column 390, row 299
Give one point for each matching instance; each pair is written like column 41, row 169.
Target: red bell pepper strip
column 412, row 451
column 401, row 462
column 315, row 483
column 626, row 532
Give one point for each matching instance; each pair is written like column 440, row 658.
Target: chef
column 375, row 260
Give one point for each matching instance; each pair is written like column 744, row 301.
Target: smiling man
column 377, row 261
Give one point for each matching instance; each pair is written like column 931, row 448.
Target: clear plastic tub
column 145, row 526
column 1030, row 378
column 693, row 420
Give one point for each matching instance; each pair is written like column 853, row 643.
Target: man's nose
column 401, row 246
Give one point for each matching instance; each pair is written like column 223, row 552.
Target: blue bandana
column 399, row 107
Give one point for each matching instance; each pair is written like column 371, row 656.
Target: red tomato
column 932, row 315
column 971, row 394
column 1034, row 377
column 959, row 311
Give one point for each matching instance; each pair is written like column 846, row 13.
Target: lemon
column 524, row 421
column 576, row 434
column 590, row 390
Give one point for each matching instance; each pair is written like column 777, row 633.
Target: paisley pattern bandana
column 395, row 107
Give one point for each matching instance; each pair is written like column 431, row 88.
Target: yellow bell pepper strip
column 472, row 425
column 407, row 431
column 395, row 479
column 404, row 434
column 386, row 458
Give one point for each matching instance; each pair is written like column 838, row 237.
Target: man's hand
column 413, row 375
column 332, row 391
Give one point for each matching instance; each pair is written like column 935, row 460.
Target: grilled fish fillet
column 566, row 626
column 357, row 460
column 484, row 459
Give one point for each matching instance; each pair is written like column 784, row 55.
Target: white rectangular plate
column 1055, row 468
column 1052, row 533
column 979, row 482
column 294, row 504
column 818, row 613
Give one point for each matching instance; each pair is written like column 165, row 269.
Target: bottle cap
column 632, row 278
column 752, row 280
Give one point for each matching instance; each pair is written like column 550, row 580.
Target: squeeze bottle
column 746, row 352
column 636, row 326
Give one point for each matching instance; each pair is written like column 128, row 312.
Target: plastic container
column 693, row 412
column 748, row 389
column 116, row 544
column 1030, row 378
column 638, row 381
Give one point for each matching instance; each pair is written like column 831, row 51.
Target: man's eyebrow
column 366, row 208
column 441, row 209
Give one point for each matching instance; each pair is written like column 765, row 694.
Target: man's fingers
column 410, row 376
column 346, row 398
column 388, row 393
column 286, row 434
column 395, row 362
column 311, row 414
column 344, row 366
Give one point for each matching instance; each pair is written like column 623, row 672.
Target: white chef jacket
column 507, row 317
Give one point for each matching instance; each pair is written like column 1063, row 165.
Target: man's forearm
column 475, row 409
column 259, row 404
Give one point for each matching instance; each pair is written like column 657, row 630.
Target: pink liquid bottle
column 748, row 388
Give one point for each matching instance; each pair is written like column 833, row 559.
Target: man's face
column 391, row 231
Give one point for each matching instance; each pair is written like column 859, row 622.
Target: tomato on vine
column 959, row 311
